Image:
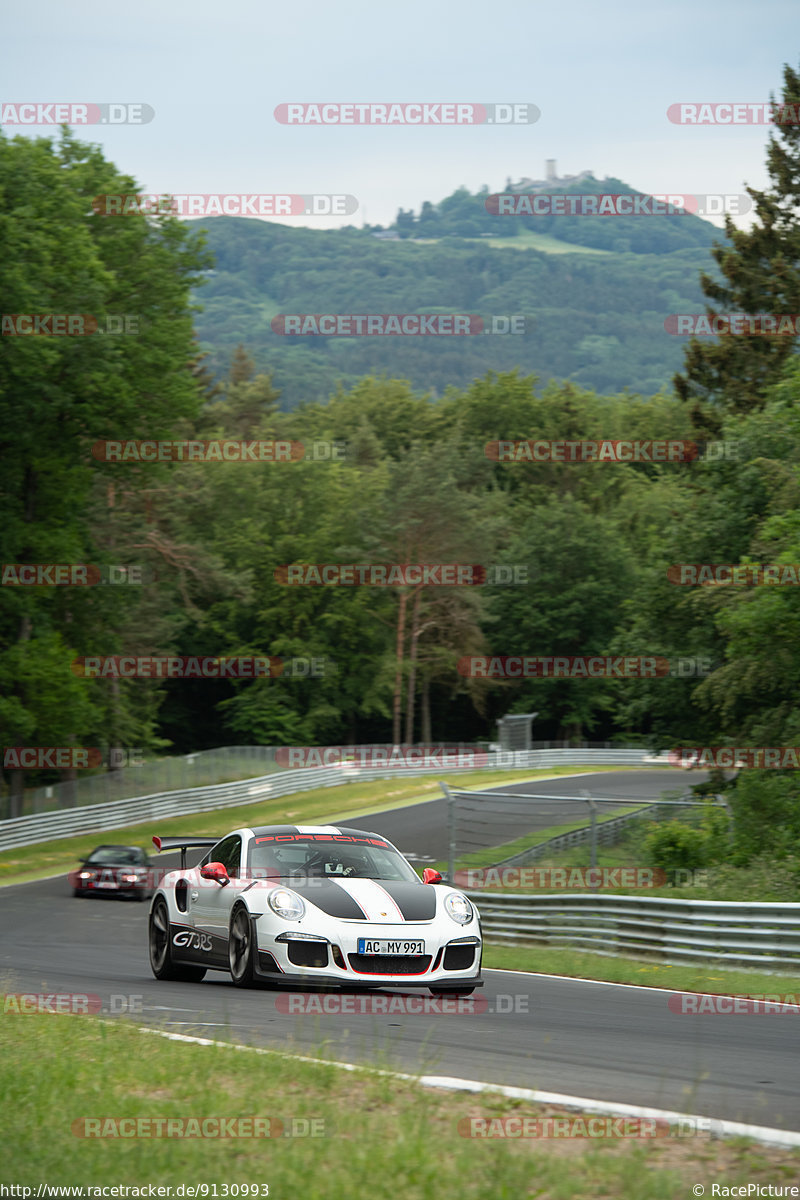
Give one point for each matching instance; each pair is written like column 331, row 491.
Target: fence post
column 592, row 835
column 451, row 831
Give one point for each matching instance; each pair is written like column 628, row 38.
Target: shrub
column 676, row 846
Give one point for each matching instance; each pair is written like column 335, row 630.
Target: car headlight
column 286, row 904
column 459, row 908
column 86, row 875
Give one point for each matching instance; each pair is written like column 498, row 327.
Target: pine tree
column 760, row 269
column 242, row 366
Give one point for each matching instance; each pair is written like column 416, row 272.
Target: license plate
column 384, row 946
column 105, row 885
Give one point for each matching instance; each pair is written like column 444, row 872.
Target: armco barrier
column 646, row 926
column 117, row 814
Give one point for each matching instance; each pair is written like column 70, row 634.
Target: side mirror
column 431, row 876
column 215, row 871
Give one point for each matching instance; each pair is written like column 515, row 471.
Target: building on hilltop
column 552, row 179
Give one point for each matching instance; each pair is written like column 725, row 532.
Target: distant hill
column 597, row 310
column 464, row 214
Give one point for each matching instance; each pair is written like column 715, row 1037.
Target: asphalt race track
column 594, row 1040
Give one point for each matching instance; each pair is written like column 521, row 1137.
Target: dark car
column 113, row 870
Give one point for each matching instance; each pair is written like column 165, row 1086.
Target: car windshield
column 118, row 855
column 332, row 860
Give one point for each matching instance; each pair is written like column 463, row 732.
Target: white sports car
column 301, row 904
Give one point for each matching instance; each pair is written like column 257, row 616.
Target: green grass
column 528, row 240
column 346, row 802
column 691, row 977
column 378, row 1137
column 525, row 240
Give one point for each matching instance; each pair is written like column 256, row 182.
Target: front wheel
column 161, row 962
column 240, row 948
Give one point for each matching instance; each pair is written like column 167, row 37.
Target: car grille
column 390, row 964
column 458, row 958
column 308, row 954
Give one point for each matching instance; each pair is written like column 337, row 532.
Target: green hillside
column 595, row 292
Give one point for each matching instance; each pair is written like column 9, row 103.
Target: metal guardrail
column 43, row 827
column 748, row 933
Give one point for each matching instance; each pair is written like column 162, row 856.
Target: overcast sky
column 602, row 74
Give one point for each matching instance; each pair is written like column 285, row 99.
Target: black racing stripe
column 416, row 901
column 328, row 896
column 266, row 829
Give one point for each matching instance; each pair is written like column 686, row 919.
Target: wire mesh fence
column 225, row 764
column 176, row 773
column 504, row 827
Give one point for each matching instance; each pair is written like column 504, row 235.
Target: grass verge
column 679, row 977
column 375, row 1136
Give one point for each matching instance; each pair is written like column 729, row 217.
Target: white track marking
column 634, row 987
column 717, row 1127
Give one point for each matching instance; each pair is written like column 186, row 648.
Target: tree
column 60, row 395
column 579, row 574
column 242, row 366
column 760, row 269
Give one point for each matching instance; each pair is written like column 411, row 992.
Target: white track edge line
column 717, row 1127
column 640, row 987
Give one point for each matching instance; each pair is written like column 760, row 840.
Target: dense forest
column 388, row 471
column 595, row 317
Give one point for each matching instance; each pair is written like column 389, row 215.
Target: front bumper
column 285, row 958
column 323, row 979
column 112, row 888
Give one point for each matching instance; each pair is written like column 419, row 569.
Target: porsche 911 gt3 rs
column 292, row 904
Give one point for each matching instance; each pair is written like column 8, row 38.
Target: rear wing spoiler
column 183, row 844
